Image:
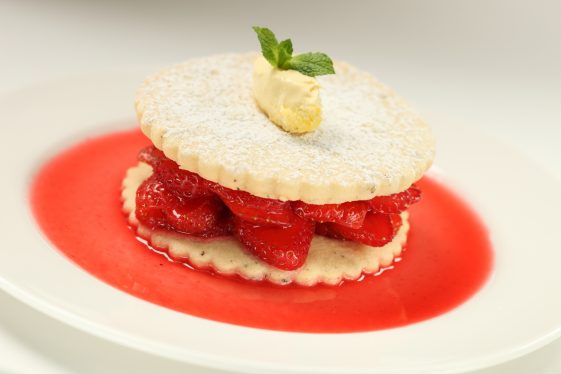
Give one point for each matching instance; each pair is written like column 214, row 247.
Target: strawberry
column 284, row 247
column 396, row 203
column 151, row 156
column 159, row 208
column 349, row 214
column 203, row 216
column 182, row 182
column 378, row 229
column 256, row 209
column 152, row 198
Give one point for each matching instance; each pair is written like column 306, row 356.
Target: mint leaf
column 284, row 53
column 280, row 56
column 269, row 44
column 312, row 64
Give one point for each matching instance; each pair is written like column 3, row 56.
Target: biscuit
column 201, row 113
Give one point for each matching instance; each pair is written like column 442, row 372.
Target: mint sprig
column 280, row 55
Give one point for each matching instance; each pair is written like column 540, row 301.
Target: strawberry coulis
column 75, row 198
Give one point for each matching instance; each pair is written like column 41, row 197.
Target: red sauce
column 76, row 200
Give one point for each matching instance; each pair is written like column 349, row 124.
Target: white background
column 491, row 65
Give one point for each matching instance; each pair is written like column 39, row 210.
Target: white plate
column 518, row 310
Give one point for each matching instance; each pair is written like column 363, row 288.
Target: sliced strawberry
column 198, row 216
column 396, row 203
column 284, row 247
column 349, row 214
column 159, row 208
column 378, row 229
column 151, row 156
column 182, row 182
column 256, row 209
column 152, row 199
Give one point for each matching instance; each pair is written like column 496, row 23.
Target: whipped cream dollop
column 289, row 98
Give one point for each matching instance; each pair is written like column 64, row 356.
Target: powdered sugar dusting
column 203, row 115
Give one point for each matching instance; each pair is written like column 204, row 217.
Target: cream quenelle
column 289, row 98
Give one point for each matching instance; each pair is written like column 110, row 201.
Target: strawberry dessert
column 279, row 167
column 273, row 190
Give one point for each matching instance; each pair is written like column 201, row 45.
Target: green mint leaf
column 280, row 56
column 284, row 53
column 311, row 64
column 269, row 44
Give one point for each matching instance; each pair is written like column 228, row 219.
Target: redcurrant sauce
column 75, row 198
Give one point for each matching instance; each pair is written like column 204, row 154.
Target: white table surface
column 492, row 65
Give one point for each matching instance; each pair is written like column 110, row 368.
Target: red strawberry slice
column 183, row 182
column 256, row 209
column 202, row 216
column 151, row 156
column 396, row 203
column 159, row 208
column 378, row 229
column 152, row 199
column 284, row 247
column 349, row 214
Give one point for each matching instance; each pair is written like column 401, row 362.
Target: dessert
column 262, row 170
column 74, row 199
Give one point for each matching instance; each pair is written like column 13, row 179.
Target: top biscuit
column 202, row 114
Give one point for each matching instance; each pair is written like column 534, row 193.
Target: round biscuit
column 201, row 113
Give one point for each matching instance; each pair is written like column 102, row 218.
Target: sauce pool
column 75, row 198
